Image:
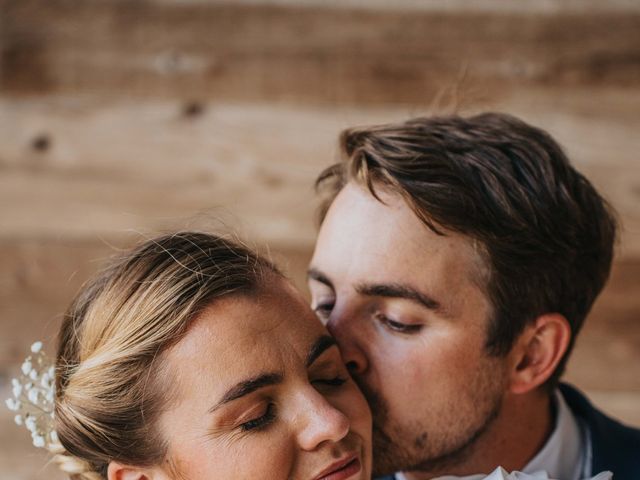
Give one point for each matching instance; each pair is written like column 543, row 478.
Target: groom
column 456, row 262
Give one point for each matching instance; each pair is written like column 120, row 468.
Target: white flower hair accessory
column 33, row 397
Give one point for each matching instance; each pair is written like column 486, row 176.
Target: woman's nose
column 322, row 422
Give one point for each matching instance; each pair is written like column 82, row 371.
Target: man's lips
column 342, row 469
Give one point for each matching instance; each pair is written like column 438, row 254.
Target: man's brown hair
column 547, row 236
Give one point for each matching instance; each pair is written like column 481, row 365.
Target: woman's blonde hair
column 110, row 381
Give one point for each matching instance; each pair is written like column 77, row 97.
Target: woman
column 193, row 358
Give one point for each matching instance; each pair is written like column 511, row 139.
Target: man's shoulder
column 615, row 447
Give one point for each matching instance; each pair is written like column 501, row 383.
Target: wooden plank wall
column 123, row 118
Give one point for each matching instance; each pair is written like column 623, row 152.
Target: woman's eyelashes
column 336, row 381
column 260, row 422
column 330, row 372
column 267, row 418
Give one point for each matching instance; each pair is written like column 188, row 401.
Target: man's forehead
column 364, row 240
column 356, row 219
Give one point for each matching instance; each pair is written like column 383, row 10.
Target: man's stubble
column 422, row 448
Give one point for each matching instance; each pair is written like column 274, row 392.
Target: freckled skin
column 314, row 423
column 435, row 393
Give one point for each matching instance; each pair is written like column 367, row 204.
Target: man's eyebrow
column 318, row 276
column 321, row 344
column 248, row 386
column 398, row 290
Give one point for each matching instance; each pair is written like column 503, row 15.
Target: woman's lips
column 342, row 469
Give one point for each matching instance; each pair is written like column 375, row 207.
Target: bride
column 193, row 358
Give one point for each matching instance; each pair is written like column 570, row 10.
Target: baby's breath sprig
column 33, row 397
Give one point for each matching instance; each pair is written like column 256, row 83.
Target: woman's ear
column 538, row 351
column 118, row 471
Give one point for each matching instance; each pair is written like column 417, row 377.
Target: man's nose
column 343, row 327
column 322, row 422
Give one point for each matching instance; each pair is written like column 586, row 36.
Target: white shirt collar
column 566, row 453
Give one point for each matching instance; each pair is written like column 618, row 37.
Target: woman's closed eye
column 329, row 373
column 336, row 381
column 261, row 421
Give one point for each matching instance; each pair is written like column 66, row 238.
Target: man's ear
column 118, row 471
column 538, row 351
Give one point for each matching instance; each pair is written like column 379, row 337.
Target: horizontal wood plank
column 294, row 53
column 74, row 166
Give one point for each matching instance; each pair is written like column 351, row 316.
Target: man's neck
column 518, row 433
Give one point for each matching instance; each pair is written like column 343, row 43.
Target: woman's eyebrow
column 320, row 345
column 248, row 386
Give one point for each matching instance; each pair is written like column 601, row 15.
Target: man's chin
column 392, row 454
column 413, row 451
column 387, row 458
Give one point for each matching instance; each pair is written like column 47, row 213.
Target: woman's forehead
column 237, row 334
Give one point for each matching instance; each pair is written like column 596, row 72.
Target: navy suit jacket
column 615, row 447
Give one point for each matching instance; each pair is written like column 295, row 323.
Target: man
column 456, row 262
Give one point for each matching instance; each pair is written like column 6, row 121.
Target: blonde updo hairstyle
column 111, row 384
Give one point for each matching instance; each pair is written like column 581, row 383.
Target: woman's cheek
column 353, row 404
column 268, row 457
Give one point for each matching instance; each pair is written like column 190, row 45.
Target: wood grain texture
column 74, row 166
column 260, row 52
